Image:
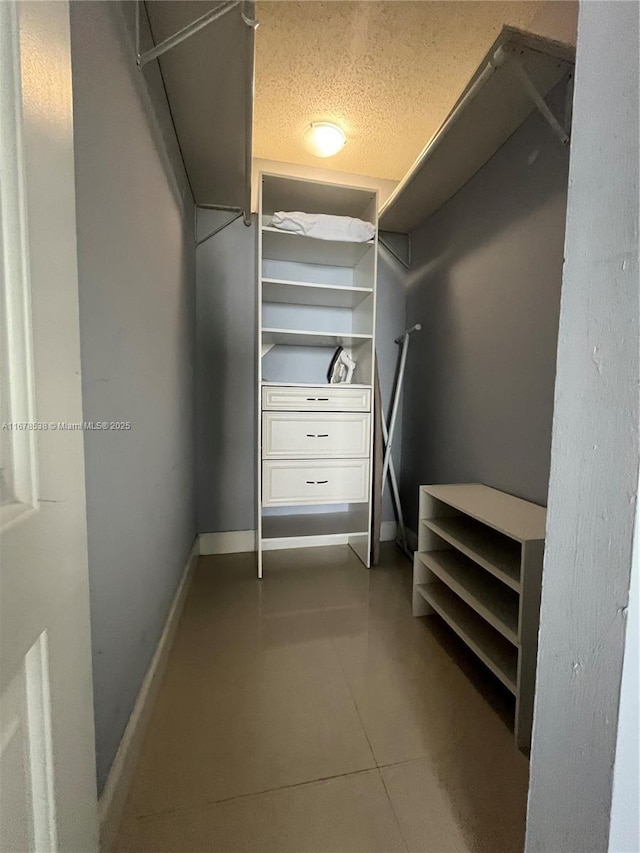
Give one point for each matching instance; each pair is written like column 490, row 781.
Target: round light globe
column 324, row 139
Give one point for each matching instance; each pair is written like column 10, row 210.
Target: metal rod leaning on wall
column 137, row 24
column 248, row 16
column 404, row 340
column 395, row 492
column 387, row 434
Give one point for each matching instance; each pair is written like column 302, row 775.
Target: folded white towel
column 323, row 226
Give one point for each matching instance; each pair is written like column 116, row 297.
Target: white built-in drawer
column 329, row 398
column 315, row 435
column 288, row 481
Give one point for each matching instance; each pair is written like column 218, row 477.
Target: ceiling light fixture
column 324, row 139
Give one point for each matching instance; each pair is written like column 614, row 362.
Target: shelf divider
column 303, row 338
column 492, row 649
column 286, row 246
column 491, row 550
column 488, row 597
column 309, row 293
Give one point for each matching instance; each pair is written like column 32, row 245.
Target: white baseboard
column 240, row 541
column 229, row 542
column 112, row 799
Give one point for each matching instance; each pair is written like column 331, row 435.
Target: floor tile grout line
column 252, row 795
column 355, row 704
column 405, row 761
column 393, row 811
column 379, row 767
column 366, row 734
column 342, row 668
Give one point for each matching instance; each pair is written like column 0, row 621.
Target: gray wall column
column 594, row 462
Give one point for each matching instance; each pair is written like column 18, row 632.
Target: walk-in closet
column 321, row 250
column 331, row 272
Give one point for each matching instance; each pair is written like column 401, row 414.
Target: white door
column 47, row 762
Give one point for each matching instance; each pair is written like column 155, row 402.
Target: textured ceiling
column 387, row 72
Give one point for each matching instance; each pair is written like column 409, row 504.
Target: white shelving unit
column 315, row 439
column 304, row 338
column 307, row 293
column 280, row 245
column 479, row 567
column 512, row 80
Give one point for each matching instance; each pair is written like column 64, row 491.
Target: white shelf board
column 281, row 192
column 490, row 109
column 300, row 338
column 210, row 118
column 516, row 518
column 494, row 552
column 492, row 649
column 314, row 384
column 489, row 598
column 316, row 524
column 286, row 246
column 307, row 293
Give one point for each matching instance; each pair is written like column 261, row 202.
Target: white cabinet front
column 328, row 398
column 287, row 482
column 291, row 435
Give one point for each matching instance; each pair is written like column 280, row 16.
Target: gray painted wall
column 485, row 284
column 226, row 379
column 624, row 833
column 594, row 471
column 136, row 278
column 226, row 371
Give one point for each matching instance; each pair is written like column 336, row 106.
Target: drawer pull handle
column 318, row 435
column 316, row 482
column 317, row 399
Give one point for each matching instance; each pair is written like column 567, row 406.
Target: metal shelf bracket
column 530, row 88
column 406, row 262
column 234, row 213
column 265, row 348
column 214, row 14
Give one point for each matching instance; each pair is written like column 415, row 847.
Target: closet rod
column 245, row 212
column 488, row 71
column 247, row 13
column 228, row 207
column 191, row 29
